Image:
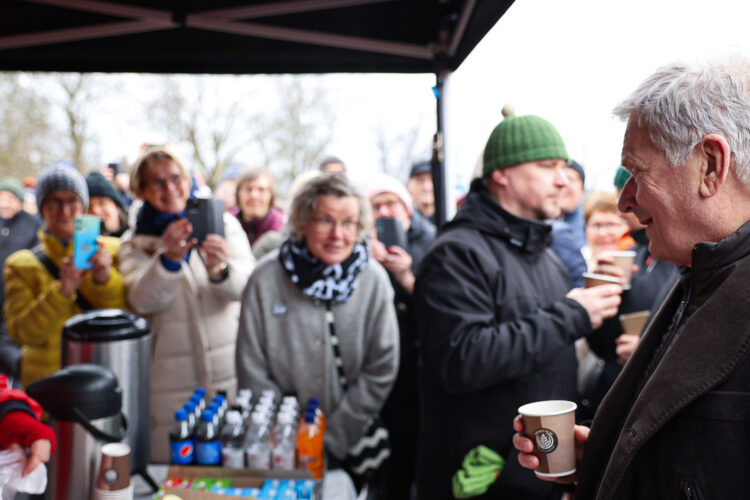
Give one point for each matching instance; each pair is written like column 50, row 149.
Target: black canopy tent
column 246, row 36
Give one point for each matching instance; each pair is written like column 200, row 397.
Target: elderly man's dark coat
column 684, row 431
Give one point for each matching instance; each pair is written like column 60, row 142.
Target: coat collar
column 694, row 364
column 480, row 211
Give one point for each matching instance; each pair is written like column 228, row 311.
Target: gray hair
column 250, row 174
column 306, row 201
column 682, row 103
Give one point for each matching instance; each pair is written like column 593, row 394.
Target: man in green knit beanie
column 495, row 314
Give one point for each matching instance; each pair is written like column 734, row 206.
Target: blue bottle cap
column 195, row 398
column 207, row 416
column 219, row 398
column 180, row 415
column 190, row 406
column 213, row 407
column 309, row 417
column 314, row 401
column 201, row 391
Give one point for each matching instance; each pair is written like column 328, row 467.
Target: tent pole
column 439, row 177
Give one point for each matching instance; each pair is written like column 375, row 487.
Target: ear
column 715, row 166
column 498, row 176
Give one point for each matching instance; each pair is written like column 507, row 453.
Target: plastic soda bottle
column 181, row 444
column 257, row 445
column 207, row 443
column 314, row 405
column 310, row 447
column 233, row 441
column 201, row 393
column 284, row 442
column 191, row 419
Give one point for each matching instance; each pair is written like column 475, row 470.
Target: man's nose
column 626, row 203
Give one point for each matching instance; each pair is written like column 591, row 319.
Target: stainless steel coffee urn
column 84, row 403
column 121, row 341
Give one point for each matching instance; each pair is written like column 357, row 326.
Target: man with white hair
column 676, row 423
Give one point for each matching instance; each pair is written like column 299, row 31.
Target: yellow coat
column 35, row 310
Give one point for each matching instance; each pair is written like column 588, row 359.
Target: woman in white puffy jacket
column 189, row 292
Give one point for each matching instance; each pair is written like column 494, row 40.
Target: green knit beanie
column 519, row 139
column 13, row 186
column 621, row 177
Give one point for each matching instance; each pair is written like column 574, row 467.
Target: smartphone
column 87, row 228
column 206, row 217
column 391, row 232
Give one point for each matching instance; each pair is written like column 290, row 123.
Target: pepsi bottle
column 207, row 442
column 181, row 442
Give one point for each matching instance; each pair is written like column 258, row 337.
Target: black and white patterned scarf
column 334, row 283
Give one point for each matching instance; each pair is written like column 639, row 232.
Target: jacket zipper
column 689, row 490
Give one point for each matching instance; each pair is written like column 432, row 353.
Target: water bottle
column 233, row 441
column 310, row 446
column 245, row 393
column 284, row 441
column 191, row 420
column 243, row 402
column 257, row 445
column 181, row 444
column 207, row 443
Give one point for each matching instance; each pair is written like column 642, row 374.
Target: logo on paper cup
column 110, row 476
column 546, row 440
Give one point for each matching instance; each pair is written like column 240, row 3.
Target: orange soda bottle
column 320, row 418
column 310, row 446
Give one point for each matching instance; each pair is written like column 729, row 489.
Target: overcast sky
column 570, row 62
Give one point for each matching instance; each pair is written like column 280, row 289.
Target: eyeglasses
column 58, row 203
column 160, row 184
column 391, row 205
column 604, row 227
column 325, row 225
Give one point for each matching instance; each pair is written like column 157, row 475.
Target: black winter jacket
column 496, row 332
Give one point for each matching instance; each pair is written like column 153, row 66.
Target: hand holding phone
column 391, row 232
column 86, row 233
column 206, row 217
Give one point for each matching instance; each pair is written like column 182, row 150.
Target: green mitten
column 481, row 467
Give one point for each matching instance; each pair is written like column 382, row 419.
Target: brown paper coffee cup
column 591, row 280
column 633, row 323
column 624, row 260
column 114, row 473
column 550, row 425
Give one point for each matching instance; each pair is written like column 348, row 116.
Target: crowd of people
column 350, row 294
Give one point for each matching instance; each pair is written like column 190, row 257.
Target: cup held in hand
column 633, row 323
column 550, row 425
column 592, row 280
column 624, row 260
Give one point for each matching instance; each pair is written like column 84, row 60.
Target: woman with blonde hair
column 189, row 291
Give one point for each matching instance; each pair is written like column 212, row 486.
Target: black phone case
column 391, row 233
column 206, row 216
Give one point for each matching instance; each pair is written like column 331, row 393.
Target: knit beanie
column 59, row 177
column 99, row 186
column 13, row 186
column 621, row 177
column 579, row 169
column 383, row 183
column 519, row 139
